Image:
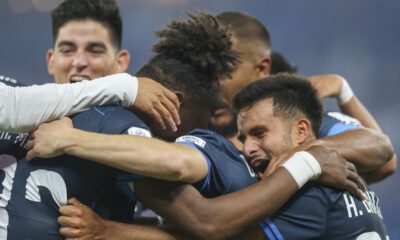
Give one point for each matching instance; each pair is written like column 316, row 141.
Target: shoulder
column 335, row 122
column 206, row 139
column 111, row 119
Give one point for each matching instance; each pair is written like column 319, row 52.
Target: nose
column 250, row 147
column 80, row 60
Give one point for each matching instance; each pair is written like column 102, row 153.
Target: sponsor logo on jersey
column 139, row 132
column 192, row 139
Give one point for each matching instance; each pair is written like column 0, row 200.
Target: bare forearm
column 140, row 155
column 221, row 217
column 117, row 231
column 366, row 148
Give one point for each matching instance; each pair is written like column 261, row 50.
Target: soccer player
column 252, row 40
column 278, row 114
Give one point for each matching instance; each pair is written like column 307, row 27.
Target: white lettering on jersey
column 371, row 204
column 351, row 206
column 8, row 164
column 192, row 139
column 369, row 236
column 49, row 179
column 139, row 132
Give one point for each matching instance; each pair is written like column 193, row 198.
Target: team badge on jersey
column 139, row 132
column 192, row 139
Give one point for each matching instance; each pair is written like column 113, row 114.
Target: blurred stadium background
column 357, row 39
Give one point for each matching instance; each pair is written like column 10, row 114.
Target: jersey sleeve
column 227, row 169
column 304, row 216
column 24, row 108
column 335, row 123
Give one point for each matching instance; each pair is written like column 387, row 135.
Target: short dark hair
column 291, row 95
column 280, row 64
column 105, row 12
column 245, row 27
column 192, row 56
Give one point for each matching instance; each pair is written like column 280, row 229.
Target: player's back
column 33, row 191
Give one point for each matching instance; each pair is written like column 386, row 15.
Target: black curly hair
column 191, row 57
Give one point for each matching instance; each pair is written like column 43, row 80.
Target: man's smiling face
column 84, row 50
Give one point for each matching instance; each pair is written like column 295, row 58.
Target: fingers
column 354, row 190
column 70, row 211
column 172, row 104
column 31, row 154
column 69, row 222
column 353, row 176
column 70, row 233
column 75, row 202
column 166, row 117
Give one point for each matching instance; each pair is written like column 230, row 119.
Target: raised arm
column 336, row 86
column 23, row 108
column 141, row 155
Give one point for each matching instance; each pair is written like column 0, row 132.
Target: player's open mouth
column 259, row 165
column 78, row 78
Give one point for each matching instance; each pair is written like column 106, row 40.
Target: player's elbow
column 387, row 149
column 181, row 170
column 188, row 165
column 383, row 147
column 391, row 167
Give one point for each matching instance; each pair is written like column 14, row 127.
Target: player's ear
column 303, row 130
column 123, row 60
column 180, row 95
column 263, row 67
column 49, row 60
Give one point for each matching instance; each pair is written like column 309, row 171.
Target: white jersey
column 23, row 108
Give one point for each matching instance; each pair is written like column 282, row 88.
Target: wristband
column 346, row 93
column 303, row 167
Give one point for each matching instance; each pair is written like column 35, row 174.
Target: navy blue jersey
column 228, row 170
column 317, row 212
column 31, row 193
column 335, row 122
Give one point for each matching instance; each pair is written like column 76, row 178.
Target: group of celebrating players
column 215, row 133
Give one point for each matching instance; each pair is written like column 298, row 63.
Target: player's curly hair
column 191, row 57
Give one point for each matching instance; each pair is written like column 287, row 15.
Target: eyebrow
column 256, row 128
column 65, row 43
column 91, row 44
column 97, row 44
